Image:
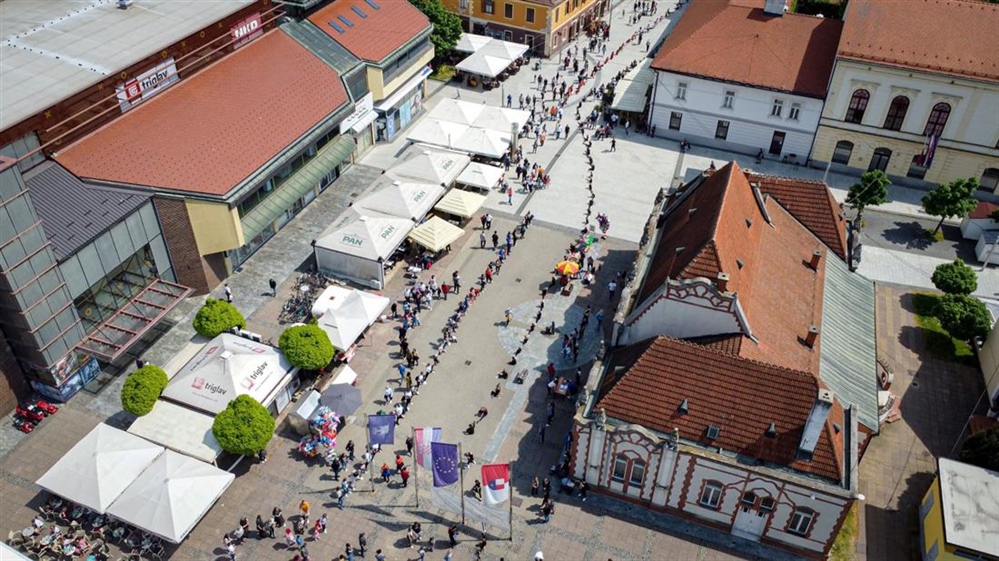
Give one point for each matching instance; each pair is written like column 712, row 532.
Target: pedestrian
column 350, row 450
column 303, row 508
column 386, row 472
column 509, row 196
column 228, row 293
column 452, row 535
column 534, row 487
column 627, row 125
column 613, row 145
column 316, row 530
column 399, row 463
column 387, row 394
column 348, row 551
column 379, row 556
column 409, row 445
column 541, row 432
column 611, row 288
column 342, row 497
column 583, row 489
column 277, row 517
column 456, row 281
column 404, row 473
column 299, row 526
column 273, row 284
column 231, row 550
column 482, row 240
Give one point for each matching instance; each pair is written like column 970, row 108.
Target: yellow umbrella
column 567, row 267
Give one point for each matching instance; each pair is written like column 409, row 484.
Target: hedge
column 217, row 316
column 307, row 347
column 142, row 388
column 244, row 427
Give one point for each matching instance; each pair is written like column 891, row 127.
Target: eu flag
column 445, row 461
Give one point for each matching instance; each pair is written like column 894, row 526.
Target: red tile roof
column 812, row 203
column 739, row 396
column 913, row 36
column 739, row 43
column 212, row 130
column 376, row 36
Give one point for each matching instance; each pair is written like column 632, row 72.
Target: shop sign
column 73, row 383
column 364, row 106
column 147, row 84
column 247, row 30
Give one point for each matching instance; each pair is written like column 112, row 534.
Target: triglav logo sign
column 147, row 84
column 202, row 384
column 251, row 381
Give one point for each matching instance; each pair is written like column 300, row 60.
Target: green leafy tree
column 955, row 278
column 963, row 317
column 954, row 199
column 982, row 449
column 142, row 388
column 244, row 427
column 447, row 25
column 307, row 347
column 217, row 316
column 871, row 191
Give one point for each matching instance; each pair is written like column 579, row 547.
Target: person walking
column 613, row 145
column 482, row 240
column 303, row 508
column 611, row 289
column 228, row 293
column 409, row 445
column 404, row 473
column 273, row 285
column 278, row 517
column 534, row 487
column 509, row 196
column 362, row 543
column 452, row 535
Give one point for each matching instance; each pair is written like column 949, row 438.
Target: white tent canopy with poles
column 502, row 49
column 100, row 467
column 469, row 43
column 480, row 175
column 436, row 132
column 171, row 495
column 484, row 142
column 477, row 115
column 482, row 64
column 404, row 199
column 355, row 246
column 350, row 313
column 461, row 203
column 432, row 166
column 436, row 233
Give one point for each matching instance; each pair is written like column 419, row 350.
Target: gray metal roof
column 73, row 213
column 320, row 44
column 53, row 49
column 848, row 363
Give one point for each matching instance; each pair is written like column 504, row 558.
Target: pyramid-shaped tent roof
column 369, row 235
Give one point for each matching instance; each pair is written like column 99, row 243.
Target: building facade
column 957, row 514
column 921, row 112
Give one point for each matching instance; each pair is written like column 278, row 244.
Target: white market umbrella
column 405, row 199
column 171, row 496
column 461, row 203
column 501, row 118
column 477, row 174
column 503, row 49
column 484, row 65
column 436, row 132
column 99, row 467
column 489, row 143
column 436, row 233
column 457, row 111
column 469, row 43
column 366, row 236
column 432, row 166
column 344, row 324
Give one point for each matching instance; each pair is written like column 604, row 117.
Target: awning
column 387, row 103
column 364, row 121
column 436, row 233
column 461, row 203
column 484, row 65
column 483, row 176
column 284, row 197
column 127, row 325
column 180, row 429
column 632, row 93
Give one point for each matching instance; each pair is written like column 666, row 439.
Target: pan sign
column 247, row 30
column 147, row 84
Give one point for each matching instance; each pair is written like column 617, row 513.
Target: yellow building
column 959, row 515
column 544, row 25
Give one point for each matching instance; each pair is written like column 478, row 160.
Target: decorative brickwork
column 201, row 273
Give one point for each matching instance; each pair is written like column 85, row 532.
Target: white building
column 920, row 110
column 744, row 78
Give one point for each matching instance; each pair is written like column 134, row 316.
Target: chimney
column 816, row 257
column 813, row 334
column 774, row 7
column 722, row 282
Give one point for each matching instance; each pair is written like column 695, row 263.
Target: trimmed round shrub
column 307, row 347
column 244, row 427
column 142, row 388
column 217, row 316
column 964, row 317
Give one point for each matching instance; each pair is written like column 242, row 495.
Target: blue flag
column 445, row 462
column 381, row 429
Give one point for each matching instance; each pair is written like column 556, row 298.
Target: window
column 938, row 120
column 777, row 108
column 530, row 15
column 508, row 11
column 637, row 473
column 620, row 468
column 488, row 6
column 777, row 143
column 896, row 113
column 842, row 153
column 795, row 111
column 880, row 159
column 767, row 504
column 711, row 494
column 674, row 121
column 729, row 99
column 557, row 10
column 721, row 131
column 801, row 521
column 858, row 105
column 463, row 5
column 749, row 498
column 990, row 180
column 916, row 168
column 681, row 90
column 508, row 35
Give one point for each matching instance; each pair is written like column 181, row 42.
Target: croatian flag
column 422, row 437
column 497, row 483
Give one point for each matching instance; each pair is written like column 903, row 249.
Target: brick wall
column 13, row 385
column 192, row 270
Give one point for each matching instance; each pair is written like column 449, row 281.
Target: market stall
column 436, row 132
column 462, row 204
column 436, row 234
column 404, row 199
column 356, row 247
column 481, row 176
column 348, row 317
column 432, row 166
column 484, row 142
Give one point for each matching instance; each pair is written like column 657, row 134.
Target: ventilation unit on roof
column 336, row 26
column 372, row 4
column 684, row 407
column 772, row 430
column 359, row 13
column 226, row 355
column 713, row 432
column 345, row 21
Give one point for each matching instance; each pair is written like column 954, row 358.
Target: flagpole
column 510, row 499
column 416, row 466
column 462, row 481
column 371, row 451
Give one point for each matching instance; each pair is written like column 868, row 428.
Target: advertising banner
column 147, row 84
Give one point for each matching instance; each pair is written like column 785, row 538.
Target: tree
column 953, row 199
column 244, row 427
column 955, row 278
column 982, row 449
column 142, row 388
column 871, row 191
column 217, row 316
column 307, row 347
column 963, row 317
column 447, row 25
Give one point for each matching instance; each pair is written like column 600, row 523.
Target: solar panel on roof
column 336, row 26
column 345, row 21
column 359, row 12
column 372, row 4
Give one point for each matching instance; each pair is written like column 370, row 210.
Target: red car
column 47, row 407
column 29, row 413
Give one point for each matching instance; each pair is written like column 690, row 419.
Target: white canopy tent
column 469, row 43
column 229, row 366
column 432, row 166
column 456, row 111
column 348, row 313
column 171, row 495
column 334, row 296
column 461, row 203
column 436, row 132
column 632, row 92
column 480, row 175
column 179, row 429
column 355, row 246
column 484, row 65
column 404, row 199
column 436, row 233
column 100, row 467
column 484, row 142
column 502, row 49
column 501, row 118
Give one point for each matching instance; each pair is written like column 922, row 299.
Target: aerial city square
column 499, row 280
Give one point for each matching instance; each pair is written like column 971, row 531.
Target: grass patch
column 443, row 73
column 844, row 547
column 937, row 237
column 938, row 342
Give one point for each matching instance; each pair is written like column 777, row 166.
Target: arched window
column 749, row 498
column 858, row 104
column 896, row 113
column 842, row 153
column 938, row 120
column 880, row 159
